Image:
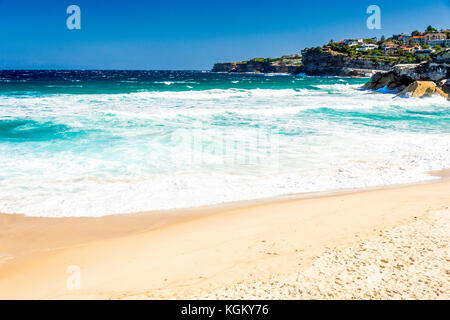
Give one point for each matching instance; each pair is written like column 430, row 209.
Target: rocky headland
column 402, row 73
column 365, row 57
column 287, row 64
column 415, row 80
column 313, row 62
column 323, row 62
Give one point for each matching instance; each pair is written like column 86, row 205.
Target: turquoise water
column 91, row 143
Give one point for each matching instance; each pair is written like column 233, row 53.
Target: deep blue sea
column 92, row 143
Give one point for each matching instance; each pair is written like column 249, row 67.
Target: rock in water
column 420, row 89
column 383, row 79
column 414, row 80
column 445, row 86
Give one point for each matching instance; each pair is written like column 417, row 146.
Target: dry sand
column 405, row 262
column 389, row 243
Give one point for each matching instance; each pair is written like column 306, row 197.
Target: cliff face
column 319, row 62
column 313, row 62
column 258, row 67
column 323, row 62
column 416, row 80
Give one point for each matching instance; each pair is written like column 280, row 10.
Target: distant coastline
column 351, row 57
column 410, row 65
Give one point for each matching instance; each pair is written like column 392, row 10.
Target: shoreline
column 439, row 175
column 137, row 244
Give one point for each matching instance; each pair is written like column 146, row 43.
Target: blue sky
column 165, row 34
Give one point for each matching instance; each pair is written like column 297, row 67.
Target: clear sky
column 194, row 34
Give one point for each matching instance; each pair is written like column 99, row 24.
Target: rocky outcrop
column 403, row 75
column 423, row 71
column 417, row 80
column 386, row 80
column 227, row 67
column 443, row 57
column 290, row 66
column 445, row 86
column 319, row 62
column 419, row 89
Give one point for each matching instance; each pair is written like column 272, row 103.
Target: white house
column 368, row 46
column 353, row 42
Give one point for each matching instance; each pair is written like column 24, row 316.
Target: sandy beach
column 283, row 152
column 386, row 243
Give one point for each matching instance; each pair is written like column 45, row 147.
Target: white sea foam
column 122, row 153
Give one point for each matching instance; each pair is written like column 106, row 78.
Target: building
column 388, row 44
column 389, row 48
column 424, row 52
column 442, row 43
column 434, row 36
column 353, row 42
column 368, row 46
column 404, row 38
column 408, row 49
column 401, row 37
column 417, row 39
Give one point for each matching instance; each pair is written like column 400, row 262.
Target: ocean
column 93, row 143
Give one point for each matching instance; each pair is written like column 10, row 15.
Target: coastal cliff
column 322, row 62
column 287, row 64
column 313, row 61
column 354, row 57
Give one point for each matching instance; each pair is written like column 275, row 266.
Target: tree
column 415, row 33
column 437, row 48
column 431, row 29
column 382, row 38
column 370, row 41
